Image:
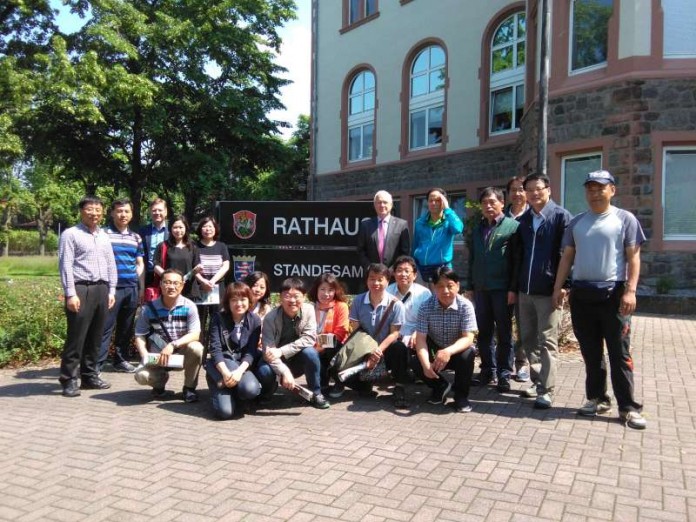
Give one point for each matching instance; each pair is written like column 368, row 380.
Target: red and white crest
column 244, row 225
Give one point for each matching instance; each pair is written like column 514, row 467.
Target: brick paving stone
column 102, row 456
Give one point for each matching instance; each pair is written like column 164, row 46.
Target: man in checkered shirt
column 444, row 340
column 169, row 324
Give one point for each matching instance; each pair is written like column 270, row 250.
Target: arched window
column 427, row 97
column 361, row 116
column 507, row 74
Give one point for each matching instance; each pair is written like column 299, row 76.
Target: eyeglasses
column 175, row 284
column 292, row 297
column 536, row 189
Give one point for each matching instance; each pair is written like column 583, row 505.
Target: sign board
column 294, row 239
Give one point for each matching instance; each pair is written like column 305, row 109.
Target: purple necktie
column 380, row 239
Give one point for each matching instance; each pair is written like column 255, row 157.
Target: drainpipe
column 545, row 15
column 312, row 193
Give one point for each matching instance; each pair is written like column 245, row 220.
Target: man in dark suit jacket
column 396, row 236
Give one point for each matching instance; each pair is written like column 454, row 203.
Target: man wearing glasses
column 169, row 325
column 538, row 252
column 288, row 336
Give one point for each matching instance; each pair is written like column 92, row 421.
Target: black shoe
column 190, row 395
column 158, row 393
column 484, row 379
column 439, row 394
column 319, row 401
column 400, row 402
column 504, row 385
column 336, row 391
column 462, row 406
column 71, row 389
column 124, row 367
column 94, row 383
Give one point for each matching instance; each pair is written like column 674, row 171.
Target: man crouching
column 169, row 325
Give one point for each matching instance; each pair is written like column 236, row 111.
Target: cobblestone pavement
column 115, row 455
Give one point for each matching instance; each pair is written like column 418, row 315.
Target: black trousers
column 462, row 363
column 85, row 329
column 595, row 323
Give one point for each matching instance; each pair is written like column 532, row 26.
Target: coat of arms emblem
column 244, row 224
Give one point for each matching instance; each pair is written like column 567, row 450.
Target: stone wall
column 628, row 113
column 420, row 175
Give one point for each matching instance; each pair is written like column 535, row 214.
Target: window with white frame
column 678, row 178
column 589, row 28
column 427, row 98
column 507, row 74
column 359, row 9
column 679, row 38
column 457, row 202
column 574, row 169
column 361, row 116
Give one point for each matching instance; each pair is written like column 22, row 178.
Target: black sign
column 292, row 223
column 294, row 239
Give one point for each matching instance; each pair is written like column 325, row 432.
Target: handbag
column 358, row 346
column 154, row 292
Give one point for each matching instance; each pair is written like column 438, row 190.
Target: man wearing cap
column 602, row 246
column 383, row 238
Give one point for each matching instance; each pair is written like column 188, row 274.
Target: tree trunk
column 137, row 175
column 42, row 225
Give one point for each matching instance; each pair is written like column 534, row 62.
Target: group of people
column 523, row 261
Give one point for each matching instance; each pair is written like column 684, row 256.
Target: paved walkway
column 113, row 455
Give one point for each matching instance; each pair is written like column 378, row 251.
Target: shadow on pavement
column 31, row 388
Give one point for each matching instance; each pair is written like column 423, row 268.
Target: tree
column 54, row 198
column 147, row 89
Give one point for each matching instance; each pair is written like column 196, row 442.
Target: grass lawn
column 28, row 266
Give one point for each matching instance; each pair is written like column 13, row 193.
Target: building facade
column 412, row 94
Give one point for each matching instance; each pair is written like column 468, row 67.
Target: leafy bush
column 26, row 242
column 32, row 321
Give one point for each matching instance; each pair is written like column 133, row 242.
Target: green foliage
column 34, row 266
column 664, row 284
column 26, row 242
column 32, row 321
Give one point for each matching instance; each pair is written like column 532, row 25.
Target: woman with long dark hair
column 180, row 253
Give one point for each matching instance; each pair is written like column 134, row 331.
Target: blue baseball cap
column 600, row 176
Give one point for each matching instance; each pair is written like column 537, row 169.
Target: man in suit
column 383, row 238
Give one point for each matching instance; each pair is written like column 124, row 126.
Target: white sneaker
column 634, row 420
column 530, row 392
column 595, row 407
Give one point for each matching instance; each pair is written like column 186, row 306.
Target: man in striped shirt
column 169, row 324
column 128, row 252
column 88, row 276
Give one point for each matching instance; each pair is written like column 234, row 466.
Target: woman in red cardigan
column 331, row 308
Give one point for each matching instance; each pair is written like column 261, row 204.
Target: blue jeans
column 305, row 363
column 122, row 318
column 224, row 400
column 494, row 315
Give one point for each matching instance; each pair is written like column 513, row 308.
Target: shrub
column 26, row 242
column 32, row 321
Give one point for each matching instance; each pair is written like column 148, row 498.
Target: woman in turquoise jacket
column 433, row 243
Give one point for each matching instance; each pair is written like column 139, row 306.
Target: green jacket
column 490, row 263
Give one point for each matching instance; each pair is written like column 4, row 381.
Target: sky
column 295, row 56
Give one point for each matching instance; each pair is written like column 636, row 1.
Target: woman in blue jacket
column 433, row 244
column 234, row 340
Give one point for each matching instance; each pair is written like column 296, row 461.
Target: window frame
column 362, row 16
column 663, row 186
column 575, row 156
column 362, row 119
column 432, row 99
column 509, row 79
column 571, row 33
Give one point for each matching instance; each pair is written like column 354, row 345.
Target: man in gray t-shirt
column 602, row 246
